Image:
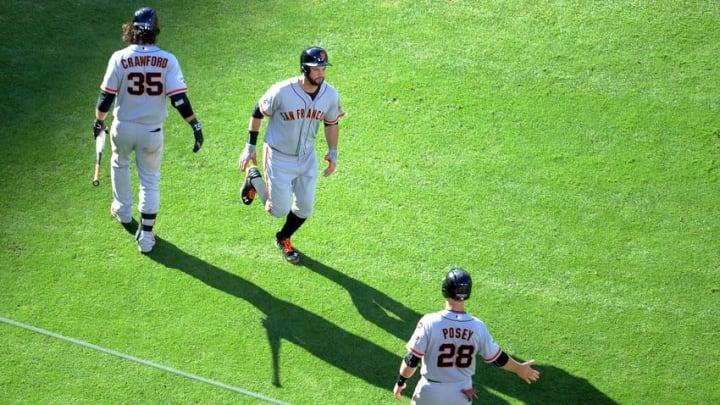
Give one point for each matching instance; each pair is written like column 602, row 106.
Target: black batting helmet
column 457, row 284
column 313, row 56
column 146, row 19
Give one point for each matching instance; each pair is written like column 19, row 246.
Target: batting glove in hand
column 98, row 127
column 247, row 156
column 197, row 132
column 331, row 158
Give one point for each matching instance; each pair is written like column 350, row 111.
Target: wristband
column 401, row 380
column 252, row 137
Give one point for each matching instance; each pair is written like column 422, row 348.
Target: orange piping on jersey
column 263, row 111
column 182, row 90
column 332, row 122
column 494, row 356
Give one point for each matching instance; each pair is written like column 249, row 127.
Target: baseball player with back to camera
column 448, row 342
column 141, row 76
column 295, row 109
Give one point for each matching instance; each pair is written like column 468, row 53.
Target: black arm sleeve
column 412, row 360
column 257, row 113
column 182, row 104
column 501, row 360
column 105, row 101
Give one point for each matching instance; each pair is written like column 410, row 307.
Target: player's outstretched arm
column 523, row 370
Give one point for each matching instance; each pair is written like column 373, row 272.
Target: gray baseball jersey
column 142, row 76
column 448, row 342
column 290, row 161
column 297, row 116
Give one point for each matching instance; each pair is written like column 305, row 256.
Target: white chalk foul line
column 143, row 362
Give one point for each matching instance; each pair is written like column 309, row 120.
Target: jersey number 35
column 150, row 83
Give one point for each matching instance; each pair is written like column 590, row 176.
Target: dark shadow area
column 555, row 386
column 287, row 321
column 131, row 227
column 358, row 356
column 374, row 305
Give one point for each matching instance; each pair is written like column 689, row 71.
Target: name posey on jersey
column 145, row 60
column 457, row 333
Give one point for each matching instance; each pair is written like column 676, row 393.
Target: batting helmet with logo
column 457, row 284
column 313, row 56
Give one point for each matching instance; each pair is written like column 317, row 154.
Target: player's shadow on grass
column 555, row 386
column 375, row 306
column 286, row 321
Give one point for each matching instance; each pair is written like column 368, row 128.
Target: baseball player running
column 295, row 109
column 447, row 342
column 141, row 77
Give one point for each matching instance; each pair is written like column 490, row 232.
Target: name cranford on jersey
column 457, row 333
column 144, row 60
column 301, row 114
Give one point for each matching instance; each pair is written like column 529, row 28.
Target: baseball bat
column 99, row 146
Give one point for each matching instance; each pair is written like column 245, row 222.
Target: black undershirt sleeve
column 257, row 113
column 182, row 104
column 105, row 100
column 412, row 360
column 501, row 360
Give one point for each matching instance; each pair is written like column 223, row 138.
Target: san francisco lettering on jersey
column 144, row 60
column 301, row 113
column 457, row 333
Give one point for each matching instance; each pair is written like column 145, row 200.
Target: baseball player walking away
column 141, row 77
column 448, row 342
column 295, row 108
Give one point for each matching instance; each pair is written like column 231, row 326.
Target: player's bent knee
column 278, row 213
column 305, row 214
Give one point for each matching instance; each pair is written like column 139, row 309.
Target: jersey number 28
column 149, row 83
column 455, row 356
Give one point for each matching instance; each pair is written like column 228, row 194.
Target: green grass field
column 566, row 153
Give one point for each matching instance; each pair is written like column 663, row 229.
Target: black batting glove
column 98, row 127
column 197, row 132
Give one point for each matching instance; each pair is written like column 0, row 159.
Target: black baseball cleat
column 248, row 192
column 289, row 253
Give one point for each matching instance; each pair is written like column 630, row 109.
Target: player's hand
column 197, row 132
column 527, row 373
column 398, row 391
column 331, row 158
column 470, row 393
column 98, row 127
column 248, row 155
